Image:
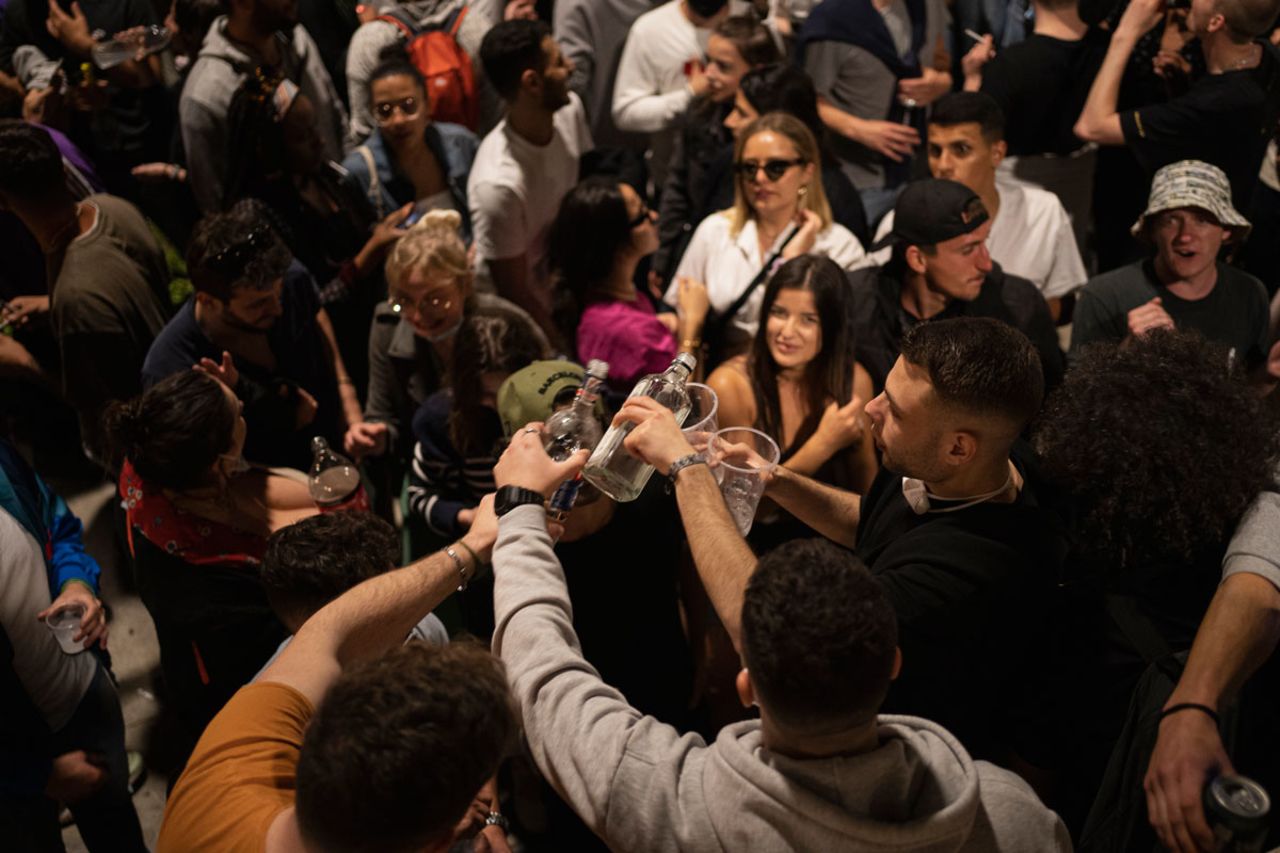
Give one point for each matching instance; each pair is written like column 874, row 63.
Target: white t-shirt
column 54, row 681
column 515, row 189
column 1031, row 237
column 726, row 265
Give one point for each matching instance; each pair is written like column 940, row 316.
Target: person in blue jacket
column 61, row 728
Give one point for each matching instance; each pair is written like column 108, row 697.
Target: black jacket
column 879, row 320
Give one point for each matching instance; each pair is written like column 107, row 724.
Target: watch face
column 510, row 497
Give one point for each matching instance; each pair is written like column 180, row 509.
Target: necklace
column 1245, row 61
column 919, row 498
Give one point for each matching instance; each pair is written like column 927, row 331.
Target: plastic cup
column 743, row 459
column 701, row 421
column 64, row 624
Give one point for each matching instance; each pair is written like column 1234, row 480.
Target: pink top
column 629, row 336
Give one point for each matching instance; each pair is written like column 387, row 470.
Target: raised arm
column 724, row 560
column 377, row 615
column 1240, row 631
column 1099, row 120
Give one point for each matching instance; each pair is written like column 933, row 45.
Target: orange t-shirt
column 241, row 774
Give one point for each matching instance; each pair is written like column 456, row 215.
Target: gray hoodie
column 640, row 785
column 206, row 98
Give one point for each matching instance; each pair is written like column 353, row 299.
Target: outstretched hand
column 224, row 371
column 526, row 464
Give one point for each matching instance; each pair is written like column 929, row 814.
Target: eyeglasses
column 407, row 106
column 640, row 218
column 773, row 169
column 426, row 305
column 232, row 260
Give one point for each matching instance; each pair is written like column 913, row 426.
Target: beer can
column 1238, row 810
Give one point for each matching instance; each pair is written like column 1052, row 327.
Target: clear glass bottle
column 139, row 41
column 613, row 470
column 334, row 480
column 573, row 429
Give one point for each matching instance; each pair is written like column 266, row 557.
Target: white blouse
column 726, row 265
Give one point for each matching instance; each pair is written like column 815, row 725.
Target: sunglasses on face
column 408, row 107
column 773, row 169
column 640, row 218
column 402, row 304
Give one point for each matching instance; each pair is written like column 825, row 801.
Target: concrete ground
column 135, row 655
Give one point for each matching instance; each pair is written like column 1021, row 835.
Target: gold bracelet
column 690, row 344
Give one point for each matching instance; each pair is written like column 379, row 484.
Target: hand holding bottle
column 526, row 464
column 656, row 437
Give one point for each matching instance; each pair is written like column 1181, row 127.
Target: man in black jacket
column 941, row 269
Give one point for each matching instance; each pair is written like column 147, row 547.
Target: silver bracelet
column 462, row 567
column 679, row 465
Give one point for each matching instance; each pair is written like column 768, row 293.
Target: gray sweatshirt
column 206, row 98
column 641, row 785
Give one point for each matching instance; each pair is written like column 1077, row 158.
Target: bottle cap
column 687, row 360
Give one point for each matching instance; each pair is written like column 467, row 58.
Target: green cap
column 531, row 393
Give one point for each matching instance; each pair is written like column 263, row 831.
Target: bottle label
column 565, row 496
column 357, row 501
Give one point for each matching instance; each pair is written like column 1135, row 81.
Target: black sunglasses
column 232, row 260
column 773, row 169
column 640, row 218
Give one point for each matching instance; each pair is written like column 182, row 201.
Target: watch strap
column 510, row 497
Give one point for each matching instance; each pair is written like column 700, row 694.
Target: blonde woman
column 429, row 294
column 779, row 212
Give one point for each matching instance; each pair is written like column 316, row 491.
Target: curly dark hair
column 1161, row 445
column 312, row 562
column 818, row 636
column 401, row 745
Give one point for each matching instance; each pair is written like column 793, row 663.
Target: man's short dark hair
column 818, row 637
column 707, row 8
column 238, row 248
column 1249, row 19
column 979, row 365
column 30, row 163
column 400, row 746
column 312, row 562
column 510, row 49
column 970, row 108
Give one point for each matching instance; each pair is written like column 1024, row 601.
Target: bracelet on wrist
column 1190, row 706
column 463, row 576
column 679, row 465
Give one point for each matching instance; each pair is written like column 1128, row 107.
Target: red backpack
column 434, row 50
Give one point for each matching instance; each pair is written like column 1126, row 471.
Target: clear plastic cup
column 742, row 460
column 64, row 623
column 701, row 422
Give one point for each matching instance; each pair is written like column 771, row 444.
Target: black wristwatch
column 510, row 497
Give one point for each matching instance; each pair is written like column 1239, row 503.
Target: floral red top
column 195, row 539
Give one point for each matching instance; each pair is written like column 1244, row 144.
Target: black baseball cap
column 933, row 211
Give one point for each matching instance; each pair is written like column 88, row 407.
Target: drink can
column 565, row 496
column 1237, row 808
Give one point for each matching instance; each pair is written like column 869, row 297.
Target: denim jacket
column 454, row 148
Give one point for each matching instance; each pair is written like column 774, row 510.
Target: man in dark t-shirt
column 1225, row 118
column 953, row 527
column 941, row 269
column 1182, row 284
column 259, row 306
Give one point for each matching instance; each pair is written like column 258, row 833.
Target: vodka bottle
column 573, row 429
column 612, row 469
column 139, row 41
column 334, row 480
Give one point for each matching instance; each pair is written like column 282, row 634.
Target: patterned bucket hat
column 1193, row 183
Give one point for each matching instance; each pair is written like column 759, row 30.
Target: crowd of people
column 998, row 280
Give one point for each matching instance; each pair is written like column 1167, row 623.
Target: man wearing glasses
column 256, row 323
